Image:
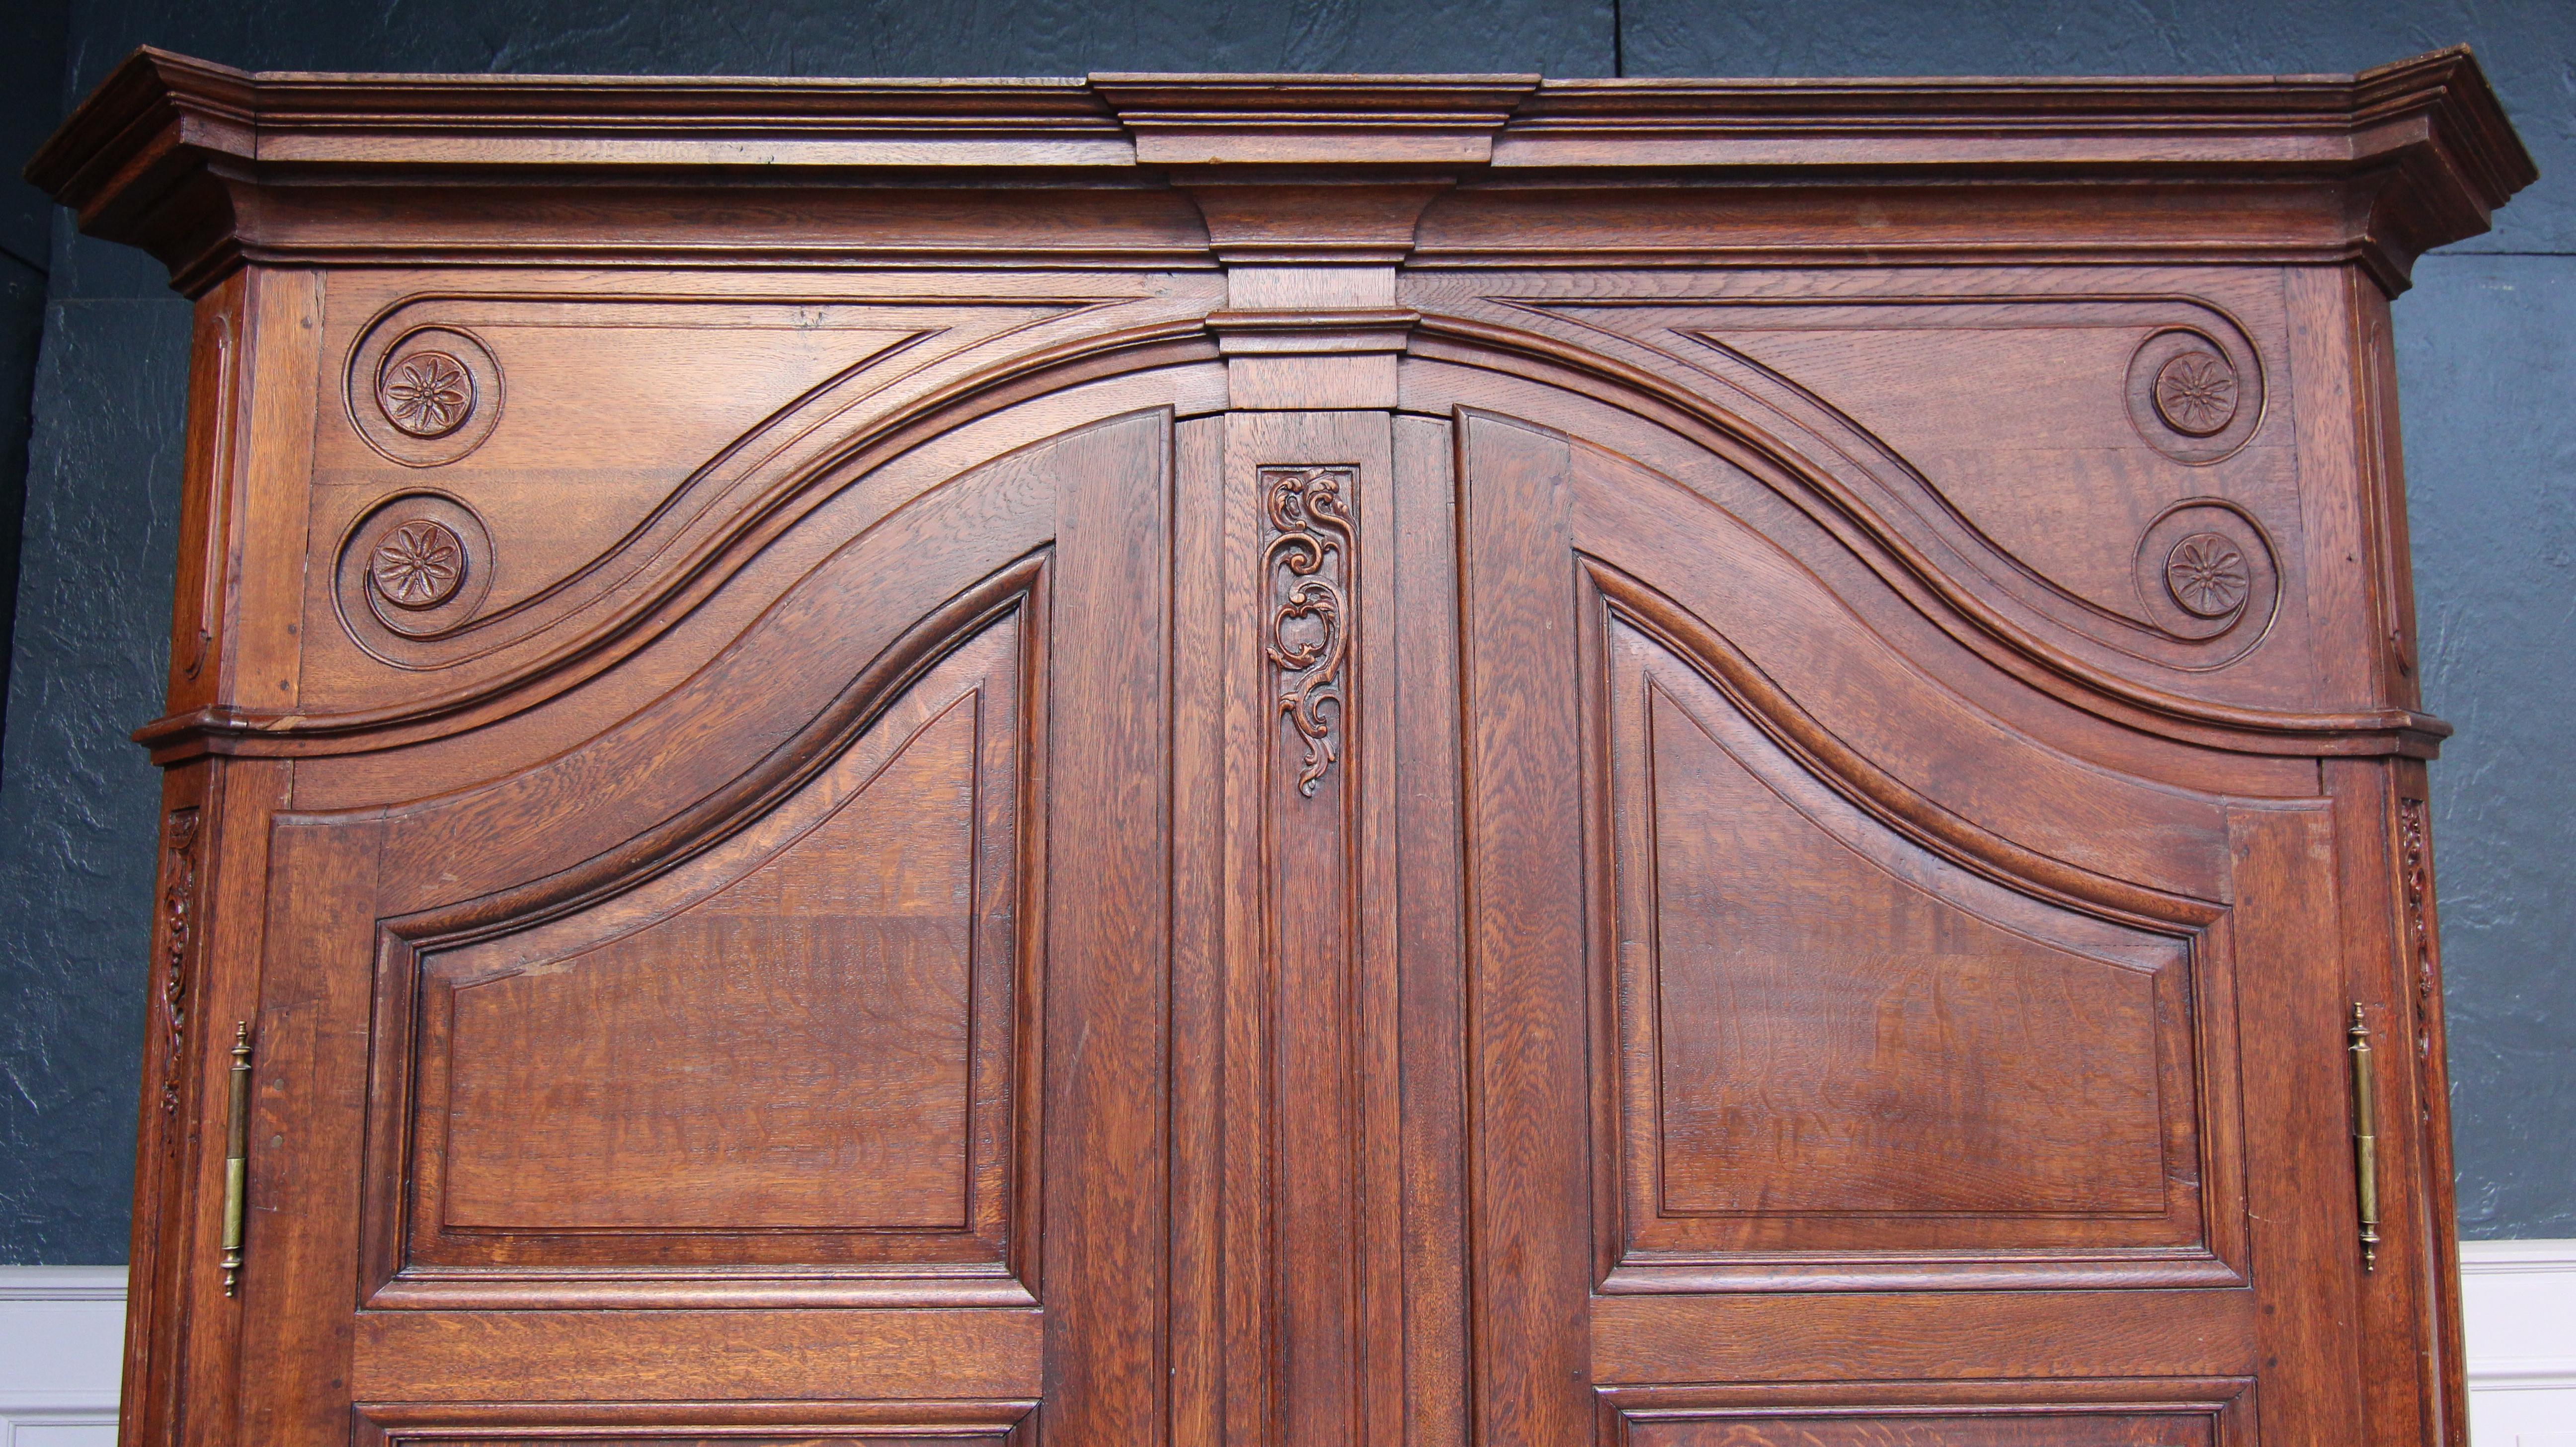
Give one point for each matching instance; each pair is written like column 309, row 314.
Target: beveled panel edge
column 179, row 156
column 2224, row 1403
column 1818, row 1271
column 782, row 1288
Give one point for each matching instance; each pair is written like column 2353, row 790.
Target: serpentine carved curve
column 1311, row 516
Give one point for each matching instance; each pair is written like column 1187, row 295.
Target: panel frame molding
column 951, row 1422
column 2213, row 1251
column 393, row 1276
column 2225, row 1406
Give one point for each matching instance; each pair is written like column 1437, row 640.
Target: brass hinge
column 2365, row 1138
column 237, row 1160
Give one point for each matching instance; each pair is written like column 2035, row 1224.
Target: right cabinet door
column 1851, row 1060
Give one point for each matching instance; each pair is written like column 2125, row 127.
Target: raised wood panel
column 806, row 1028
column 2113, row 1428
column 1707, row 523
column 1912, row 1336
column 685, row 1356
column 1834, row 1036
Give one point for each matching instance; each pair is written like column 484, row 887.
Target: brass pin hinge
column 2365, row 1138
column 237, row 1160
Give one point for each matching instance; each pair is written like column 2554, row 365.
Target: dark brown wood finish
column 1293, row 761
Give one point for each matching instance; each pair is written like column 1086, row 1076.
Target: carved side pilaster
column 2415, row 873
column 178, row 931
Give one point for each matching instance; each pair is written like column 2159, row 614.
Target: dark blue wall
column 2489, row 373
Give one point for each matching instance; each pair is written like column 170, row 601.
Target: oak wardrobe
column 1292, row 760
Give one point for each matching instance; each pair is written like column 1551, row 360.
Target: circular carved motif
column 2206, row 570
column 2208, row 576
column 426, row 394
column 418, row 565
column 2196, row 394
column 415, row 566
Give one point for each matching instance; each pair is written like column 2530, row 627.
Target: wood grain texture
column 1829, row 1024
column 809, row 1026
column 1531, row 1016
column 1108, row 940
column 564, row 1356
column 1296, row 761
column 1922, row 1336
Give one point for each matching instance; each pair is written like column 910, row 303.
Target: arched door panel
column 795, row 1047
column 727, row 1070
column 1837, row 1046
column 1842, row 1059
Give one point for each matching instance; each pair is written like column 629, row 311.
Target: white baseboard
column 62, row 1341
column 62, row 1349
column 2519, row 1298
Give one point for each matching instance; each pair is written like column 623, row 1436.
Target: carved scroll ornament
column 1309, row 562
column 2416, row 875
column 178, row 924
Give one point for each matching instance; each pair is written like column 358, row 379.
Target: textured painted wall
column 78, row 817
column 2488, row 355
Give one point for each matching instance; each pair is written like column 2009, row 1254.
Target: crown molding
column 207, row 167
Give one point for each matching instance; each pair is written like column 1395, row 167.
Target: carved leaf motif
column 2196, row 394
column 1309, row 557
column 2207, row 575
column 2417, row 871
column 419, row 564
column 426, row 394
column 178, row 923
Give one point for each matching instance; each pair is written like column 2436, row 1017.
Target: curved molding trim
column 1877, row 794
column 778, row 774
column 1961, row 612
column 643, row 614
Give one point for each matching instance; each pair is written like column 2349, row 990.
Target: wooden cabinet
column 1293, row 760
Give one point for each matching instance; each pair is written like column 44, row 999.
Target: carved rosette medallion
column 2195, row 394
column 1309, row 563
column 2208, row 575
column 420, row 564
column 426, row 393
column 178, row 926
column 2205, row 569
column 426, row 396
column 416, row 565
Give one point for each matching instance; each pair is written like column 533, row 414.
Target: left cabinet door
column 783, row 1063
